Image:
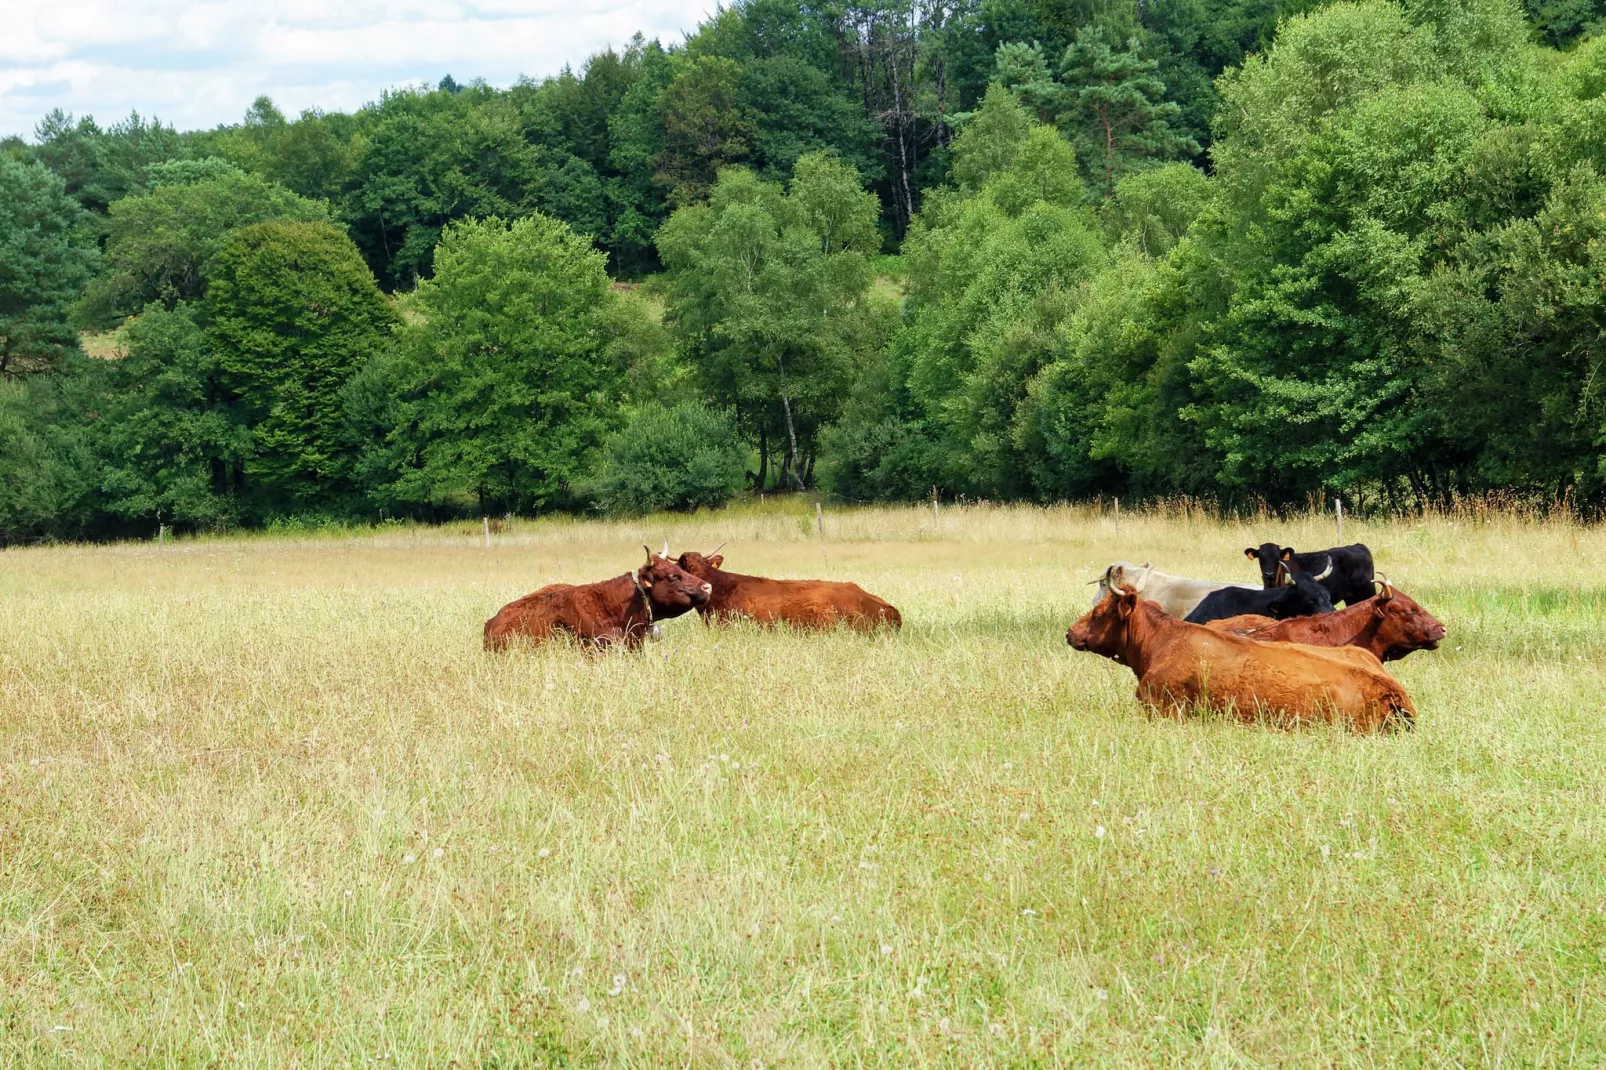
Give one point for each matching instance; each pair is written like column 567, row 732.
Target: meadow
column 264, row 801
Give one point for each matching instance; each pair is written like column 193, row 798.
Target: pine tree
column 1117, row 115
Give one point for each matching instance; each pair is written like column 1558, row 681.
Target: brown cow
column 799, row 603
column 1180, row 665
column 1389, row 625
column 620, row 610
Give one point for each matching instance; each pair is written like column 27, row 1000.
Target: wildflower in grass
column 1028, row 913
column 438, row 852
column 543, row 852
column 1102, row 995
column 886, row 949
column 583, row 1006
column 1098, row 832
column 996, row 1029
column 618, row 985
column 409, row 859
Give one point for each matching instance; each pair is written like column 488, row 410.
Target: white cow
column 1177, row 595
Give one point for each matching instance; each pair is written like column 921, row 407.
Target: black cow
column 1346, row 571
column 1299, row 596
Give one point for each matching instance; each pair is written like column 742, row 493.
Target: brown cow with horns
column 620, row 610
column 1388, row 625
column 1181, row 665
column 799, row 603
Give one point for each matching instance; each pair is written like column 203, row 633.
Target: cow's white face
column 1123, row 574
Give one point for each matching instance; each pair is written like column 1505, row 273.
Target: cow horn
column 1388, row 588
column 1326, row 572
column 1285, row 575
column 666, row 548
column 717, row 549
column 647, row 548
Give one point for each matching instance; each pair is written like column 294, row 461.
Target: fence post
column 161, row 534
column 487, row 521
column 1338, row 512
column 1118, row 516
column 819, row 520
column 936, row 517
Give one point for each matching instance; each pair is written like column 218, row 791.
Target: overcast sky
column 197, row 64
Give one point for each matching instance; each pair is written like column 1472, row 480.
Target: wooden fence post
column 487, row 531
column 819, row 520
column 1338, row 513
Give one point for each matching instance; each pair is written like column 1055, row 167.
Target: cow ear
column 1288, row 553
column 1251, row 553
column 1127, row 604
column 717, row 560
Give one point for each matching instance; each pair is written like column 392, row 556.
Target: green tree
column 101, row 165
column 46, row 257
column 994, row 276
column 767, row 293
column 1114, row 110
column 706, row 126
column 47, row 458
column 174, row 440
column 683, row 457
column 160, row 245
column 510, row 379
column 294, row 313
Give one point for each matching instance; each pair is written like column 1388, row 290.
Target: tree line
column 1008, row 249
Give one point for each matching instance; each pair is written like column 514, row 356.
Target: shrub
column 671, row 458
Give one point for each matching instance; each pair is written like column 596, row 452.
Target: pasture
column 265, row 801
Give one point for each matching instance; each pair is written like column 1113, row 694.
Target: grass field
column 266, row 802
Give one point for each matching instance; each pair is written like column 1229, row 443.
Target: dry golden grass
column 266, row 802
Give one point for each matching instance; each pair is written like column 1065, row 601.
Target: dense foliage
column 1241, row 251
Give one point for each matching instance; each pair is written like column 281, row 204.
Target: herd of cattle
column 1278, row 652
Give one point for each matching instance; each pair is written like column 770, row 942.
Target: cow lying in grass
column 1177, row 595
column 1297, row 595
column 1181, row 666
column 799, row 603
column 1388, row 625
column 620, row 610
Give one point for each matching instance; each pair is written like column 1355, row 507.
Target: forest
column 1244, row 251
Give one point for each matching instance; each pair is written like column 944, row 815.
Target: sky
column 200, row 63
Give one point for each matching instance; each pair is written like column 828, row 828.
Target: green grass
column 265, row 801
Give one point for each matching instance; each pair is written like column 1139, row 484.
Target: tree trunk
column 763, row 456
column 791, row 428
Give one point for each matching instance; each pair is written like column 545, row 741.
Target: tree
column 683, row 457
column 767, row 294
column 47, row 458
column 1114, row 108
column 99, row 166
column 510, row 378
column 160, row 245
column 995, row 274
column 46, row 257
column 706, row 126
column 174, row 439
column 294, row 313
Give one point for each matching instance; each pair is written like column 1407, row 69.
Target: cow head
column 1306, row 597
column 671, row 589
column 1103, row 630
column 702, row 565
column 1122, row 574
column 1402, row 625
column 1269, row 556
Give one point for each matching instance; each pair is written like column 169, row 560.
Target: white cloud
column 197, row 64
